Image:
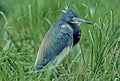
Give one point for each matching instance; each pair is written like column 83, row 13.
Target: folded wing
column 54, row 42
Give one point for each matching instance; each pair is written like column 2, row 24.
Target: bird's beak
column 78, row 20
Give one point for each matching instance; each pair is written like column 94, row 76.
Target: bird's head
column 70, row 16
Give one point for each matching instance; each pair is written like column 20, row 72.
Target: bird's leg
column 51, row 70
column 55, row 73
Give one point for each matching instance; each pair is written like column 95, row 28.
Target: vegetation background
column 23, row 24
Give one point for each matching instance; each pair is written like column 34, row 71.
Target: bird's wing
column 53, row 44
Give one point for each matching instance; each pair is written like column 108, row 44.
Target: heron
column 60, row 38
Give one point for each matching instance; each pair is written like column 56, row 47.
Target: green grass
column 24, row 24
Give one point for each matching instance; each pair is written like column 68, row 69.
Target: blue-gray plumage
column 64, row 34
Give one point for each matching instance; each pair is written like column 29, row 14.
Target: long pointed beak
column 78, row 20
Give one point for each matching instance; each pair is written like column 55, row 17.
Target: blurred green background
column 23, row 24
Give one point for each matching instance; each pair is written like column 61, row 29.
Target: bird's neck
column 72, row 24
column 76, row 33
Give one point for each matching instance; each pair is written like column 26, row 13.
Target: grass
column 24, row 24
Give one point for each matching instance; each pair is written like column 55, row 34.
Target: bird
column 60, row 38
